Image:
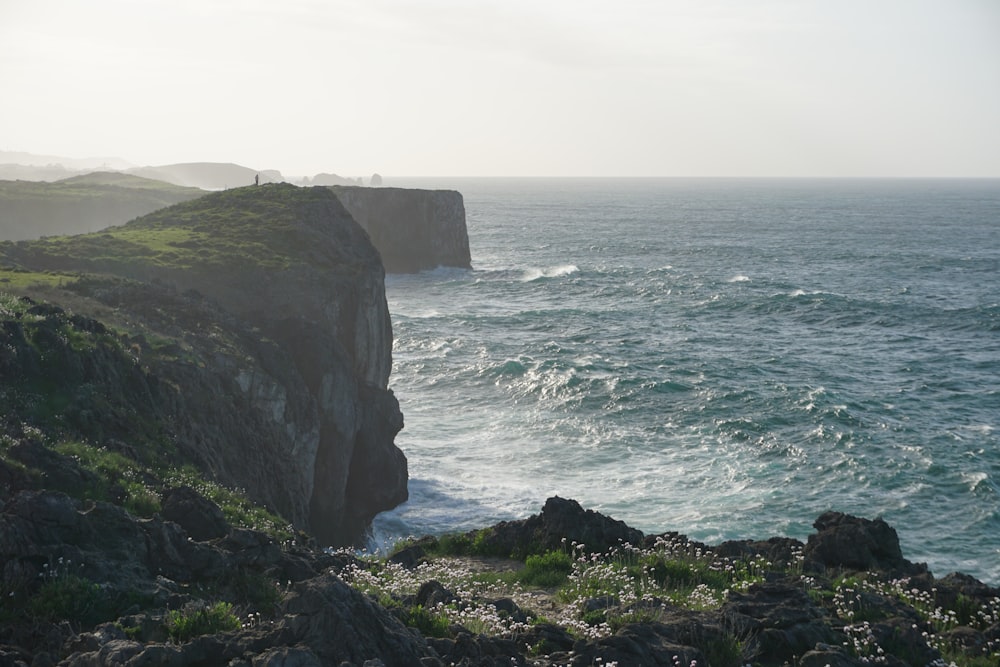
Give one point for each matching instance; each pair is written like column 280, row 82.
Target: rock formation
column 414, row 230
column 273, row 349
column 131, row 578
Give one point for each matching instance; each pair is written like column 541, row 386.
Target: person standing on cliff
column 256, row 179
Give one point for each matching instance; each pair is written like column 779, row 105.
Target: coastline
column 567, row 586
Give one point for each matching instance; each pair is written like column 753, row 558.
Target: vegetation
column 224, row 230
column 595, row 595
column 236, row 507
column 186, row 624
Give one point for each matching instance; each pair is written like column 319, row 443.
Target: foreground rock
column 136, row 582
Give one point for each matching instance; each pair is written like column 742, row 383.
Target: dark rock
column 828, row 656
column 784, row 619
column 58, row 472
column 199, row 516
column 947, row 590
column 853, row 543
column 339, row 623
column 780, row 551
column 431, row 593
column 561, row 523
column 411, row 555
column 901, row 639
column 638, row 644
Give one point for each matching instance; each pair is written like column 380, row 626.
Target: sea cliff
column 246, row 330
column 414, row 230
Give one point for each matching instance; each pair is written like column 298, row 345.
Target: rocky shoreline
column 87, row 583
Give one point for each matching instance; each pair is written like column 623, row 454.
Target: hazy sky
column 513, row 87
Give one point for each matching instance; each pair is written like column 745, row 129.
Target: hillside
column 259, row 316
column 80, row 204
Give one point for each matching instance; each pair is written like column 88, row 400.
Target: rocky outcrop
column 414, row 230
column 136, row 575
column 273, row 350
column 856, row 543
column 560, row 519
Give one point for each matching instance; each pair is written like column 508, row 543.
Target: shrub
column 183, row 625
column 67, row 597
column 548, row 570
column 427, row 623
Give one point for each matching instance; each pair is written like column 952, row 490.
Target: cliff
column 245, row 332
column 414, row 230
column 29, row 210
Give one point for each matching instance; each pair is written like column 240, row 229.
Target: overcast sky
column 510, row 88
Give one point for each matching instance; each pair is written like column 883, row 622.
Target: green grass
column 184, row 625
column 427, row 623
column 266, row 227
column 548, row 570
column 20, row 280
column 115, row 470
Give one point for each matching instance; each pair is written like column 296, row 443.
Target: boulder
column 199, row 516
column 561, row 523
column 781, row 616
column 853, row 543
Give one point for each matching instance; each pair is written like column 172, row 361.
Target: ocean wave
column 534, row 273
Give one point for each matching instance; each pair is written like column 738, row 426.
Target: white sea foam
column 535, row 273
column 739, row 279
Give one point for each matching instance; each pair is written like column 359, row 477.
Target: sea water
column 724, row 358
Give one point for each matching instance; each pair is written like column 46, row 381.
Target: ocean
column 726, row 358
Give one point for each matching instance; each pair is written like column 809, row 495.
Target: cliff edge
column 245, row 332
column 414, row 230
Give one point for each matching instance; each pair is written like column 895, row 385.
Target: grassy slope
column 229, row 228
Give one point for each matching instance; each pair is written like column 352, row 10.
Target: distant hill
column 21, row 158
column 208, row 175
column 86, row 203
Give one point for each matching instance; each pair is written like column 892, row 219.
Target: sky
column 808, row 88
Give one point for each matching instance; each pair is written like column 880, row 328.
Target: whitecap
column 535, row 273
column 739, row 279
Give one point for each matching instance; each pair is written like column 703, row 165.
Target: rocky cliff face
column 258, row 320
column 414, row 230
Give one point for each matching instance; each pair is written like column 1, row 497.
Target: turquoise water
column 724, row 358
